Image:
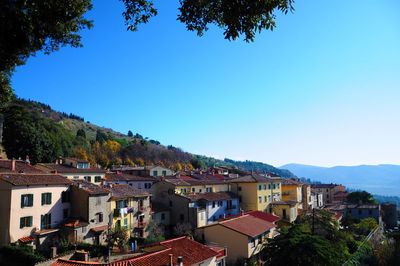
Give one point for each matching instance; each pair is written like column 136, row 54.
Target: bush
column 94, row 250
column 19, row 255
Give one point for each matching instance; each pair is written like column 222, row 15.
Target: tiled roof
column 26, row 239
column 78, row 160
column 74, row 223
column 192, row 252
column 90, row 187
column 248, row 225
column 211, row 196
column 253, row 178
column 62, row 168
column 120, row 191
column 99, row 228
column 23, row 179
column 126, row 177
column 289, row 181
column 264, row 216
column 20, row 166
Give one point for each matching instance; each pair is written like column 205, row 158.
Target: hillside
column 381, row 179
column 35, row 129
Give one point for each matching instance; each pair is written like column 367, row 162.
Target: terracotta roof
column 99, row 228
column 46, row 231
column 289, row 181
column 90, row 187
column 26, row 239
column 62, row 168
column 264, row 216
column 74, row 223
column 248, row 225
column 23, row 179
column 20, row 166
column 324, row 185
column 253, row 178
column 126, row 177
column 192, row 252
column 78, row 160
column 211, row 196
column 120, row 191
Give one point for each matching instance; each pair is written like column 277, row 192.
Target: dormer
column 77, row 163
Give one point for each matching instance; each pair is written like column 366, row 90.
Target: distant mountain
column 383, row 179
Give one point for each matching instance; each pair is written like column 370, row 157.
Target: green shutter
column 49, row 198
column 21, row 222
column 30, row 221
column 41, row 222
column 22, row 201
column 43, row 198
column 31, row 200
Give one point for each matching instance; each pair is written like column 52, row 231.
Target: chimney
column 27, row 159
column 180, row 261
column 171, row 263
column 13, row 165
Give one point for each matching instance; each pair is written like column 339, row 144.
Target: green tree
column 360, row 196
column 101, row 137
column 197, row 163
column 81, row 133
column 130, row 134
column 119, row 237
column 297, row 246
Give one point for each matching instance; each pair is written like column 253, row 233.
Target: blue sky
column 323, row 88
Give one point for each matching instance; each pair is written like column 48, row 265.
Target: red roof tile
column 23, row 179
column 248, row 225
column 211, row 196
column 26, row 239
column 20, row 166
column 99, row 228
column 264, row 216
column 120, row 191
column 126, row 177
column 62, row 168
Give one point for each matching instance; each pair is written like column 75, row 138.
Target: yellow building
column 191, row 185
column 256, row 192
column 243, row 235
column 130, row 209
column 287, row 210
column 295, row 190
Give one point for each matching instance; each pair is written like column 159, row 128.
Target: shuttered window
column 46, row 198
column 26, row 200
column 25, row 222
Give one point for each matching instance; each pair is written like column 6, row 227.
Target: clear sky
column 322, row 89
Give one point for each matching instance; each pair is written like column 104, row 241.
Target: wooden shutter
column 30, row 220
column 31, row 200
column 43, row 198
column 21, row 222
column 22, row 201
column 49, row 198
column 41, row 220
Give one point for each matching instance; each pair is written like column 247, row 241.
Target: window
column 97, row 178
column 269, row 198
column 265, row 187
column 118, row 224
column 269, row 186
column 200, row 190
column 274, row 185
column 162, row 216
column 98, row 201
column 155, row 173
column 253, row 243
column 121, row 204
column 202, row 216
column 46, row 198
column 164, row 173
column 220, row 203
column 65, row 213
column 25, row 222
column 326, row 190
column 65, row 196
column 193, row 189
column 213, row 204
column 76, row 177
column 209, row 189
column 99, row 217
column 182, row 191
column 147, row 185
column 26, row 200
column 259, row 199
column 88, row 178
column 80, row 165
column 259, row 238
column 85, row 165
column 265, row 198
column 259, row 187
column 240, row 198
column 239, row 188
column 45, row 221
